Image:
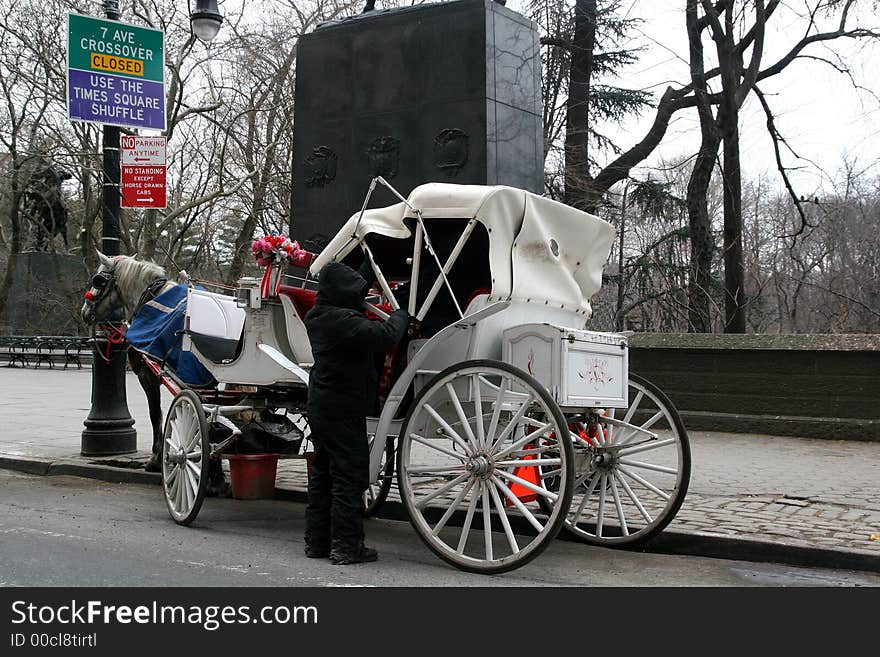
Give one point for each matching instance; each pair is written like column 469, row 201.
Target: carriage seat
column 303, row 298
column 214, row 322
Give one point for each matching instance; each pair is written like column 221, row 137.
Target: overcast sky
column 817, row 109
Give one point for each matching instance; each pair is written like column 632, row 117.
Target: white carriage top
column 539, row 250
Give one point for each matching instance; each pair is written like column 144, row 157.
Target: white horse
column 125, row 283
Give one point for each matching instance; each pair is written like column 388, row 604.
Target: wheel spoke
column 594, row 480
column 452, row 433
column 180, row 492
column 487, row 521
column 442, row 490
column 174, row 438
column 632, row 409
column 468, row 519
column 629, row 451
column 649, row 466
column 459, row 411
column 172, row 481
column 600, row 516
column 635, row 500
column 525, row 440
column 496, row 412
column 478, row 411
column 192, row 468
column 617, row 504
column 429, row 443
column 528, row 462
column 197, row 435
column 502, row 514
column 422, row 469
column 528, row 484
column 647, row 484
column 518, row 504
column 188, row 488
column 452, row 507
column 514, row 422
column 644, row 427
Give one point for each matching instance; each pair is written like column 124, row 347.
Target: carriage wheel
column 185, row 457
column 377, row 493
column 630, row 476
column 473, row 440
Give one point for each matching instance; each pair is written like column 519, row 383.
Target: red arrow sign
column 143, row 187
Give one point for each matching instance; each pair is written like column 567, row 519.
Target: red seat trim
column 303, row 298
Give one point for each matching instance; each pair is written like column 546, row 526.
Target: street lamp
column 206, row 19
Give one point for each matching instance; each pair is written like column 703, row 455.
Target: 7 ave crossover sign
column 143, row 171
column 115, row 73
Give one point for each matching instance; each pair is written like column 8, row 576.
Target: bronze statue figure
column 44, row 207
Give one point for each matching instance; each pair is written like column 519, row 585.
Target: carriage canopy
column 540, row 250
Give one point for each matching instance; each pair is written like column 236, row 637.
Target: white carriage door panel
column 594, row 374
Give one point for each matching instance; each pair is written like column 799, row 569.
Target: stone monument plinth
column 433, row 93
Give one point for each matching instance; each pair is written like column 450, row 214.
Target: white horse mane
column 133, row 277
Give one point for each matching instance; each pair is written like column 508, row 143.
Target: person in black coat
column 342, row 392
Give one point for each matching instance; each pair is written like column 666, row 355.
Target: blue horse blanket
column 155, row 331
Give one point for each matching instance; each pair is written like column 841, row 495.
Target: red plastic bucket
column 253, row 475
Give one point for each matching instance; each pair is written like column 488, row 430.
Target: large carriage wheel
column 185, row 455
column 631, row 470
column 377, row 493
column 474, row 439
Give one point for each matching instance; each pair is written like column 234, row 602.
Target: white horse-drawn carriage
column 508, row 419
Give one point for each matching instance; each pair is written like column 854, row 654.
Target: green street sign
column 95, row 44
column 115, row 73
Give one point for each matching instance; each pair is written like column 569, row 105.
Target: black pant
column 340, row 475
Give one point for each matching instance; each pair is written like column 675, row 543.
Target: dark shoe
column 317, row 552
column 363, row 554
column 317, row 544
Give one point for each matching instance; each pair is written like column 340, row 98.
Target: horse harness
column 104, row 281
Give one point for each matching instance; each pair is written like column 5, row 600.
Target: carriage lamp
column 206, row 19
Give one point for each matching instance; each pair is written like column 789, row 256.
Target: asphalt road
column 68, row 531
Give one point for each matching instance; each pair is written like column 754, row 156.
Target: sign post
column 143, row 171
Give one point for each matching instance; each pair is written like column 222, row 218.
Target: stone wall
column 817, row 386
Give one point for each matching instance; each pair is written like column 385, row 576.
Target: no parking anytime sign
column 143, row 171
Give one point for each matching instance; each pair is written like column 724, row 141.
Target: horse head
column 103, row 295
column 120, row 284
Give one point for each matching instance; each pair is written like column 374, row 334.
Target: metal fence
column 34, row 351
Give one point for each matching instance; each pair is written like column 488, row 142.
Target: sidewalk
column 791, row 500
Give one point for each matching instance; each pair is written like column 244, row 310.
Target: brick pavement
column 777, row 491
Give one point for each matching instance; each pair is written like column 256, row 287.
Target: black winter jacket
column 344, row 343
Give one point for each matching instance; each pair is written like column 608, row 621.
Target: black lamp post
column 109, row 426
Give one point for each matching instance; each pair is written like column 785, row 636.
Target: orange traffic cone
column 530, row 474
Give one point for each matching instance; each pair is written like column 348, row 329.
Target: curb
column 112, row 474
column 670, row 541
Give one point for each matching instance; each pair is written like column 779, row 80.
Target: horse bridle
column 103, row 282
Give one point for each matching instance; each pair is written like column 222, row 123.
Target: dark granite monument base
column 46, row 295
column 442, row 92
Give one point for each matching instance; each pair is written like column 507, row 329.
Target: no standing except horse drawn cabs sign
column 143, row 171
column 115, row 73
